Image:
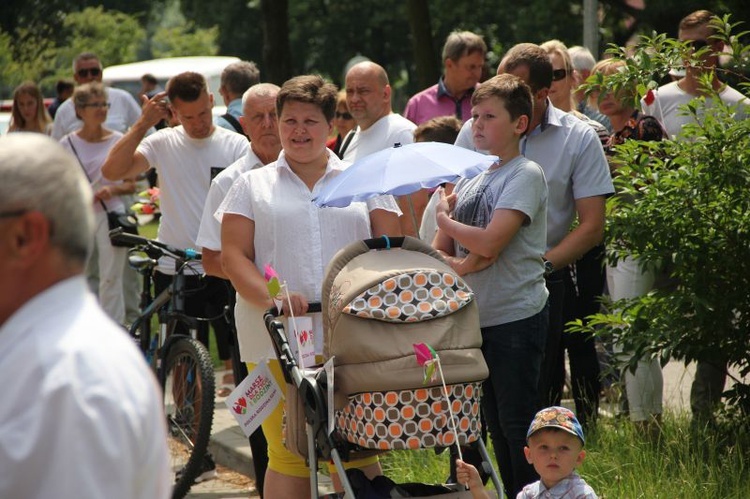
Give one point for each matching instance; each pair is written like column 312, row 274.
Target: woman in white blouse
column 268, row 217
column 90, row 145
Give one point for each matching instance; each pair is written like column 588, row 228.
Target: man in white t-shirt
column 668, row 99
column 695, row 28
column 368, row 96
column 81, row 414
column 186, row 158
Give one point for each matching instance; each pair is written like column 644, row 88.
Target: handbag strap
column 70, row 142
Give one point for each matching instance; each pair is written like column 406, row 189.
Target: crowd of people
column 527, row 236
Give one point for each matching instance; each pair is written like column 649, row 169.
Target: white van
column 128, row 76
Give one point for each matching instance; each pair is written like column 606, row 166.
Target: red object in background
column 649, row 98
column 6, row 106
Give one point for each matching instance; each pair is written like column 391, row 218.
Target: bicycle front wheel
column 188, row 386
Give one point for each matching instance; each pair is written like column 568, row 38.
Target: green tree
column 184, row 40
column 684, row 206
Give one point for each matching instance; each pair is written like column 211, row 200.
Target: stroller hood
column 378, row 303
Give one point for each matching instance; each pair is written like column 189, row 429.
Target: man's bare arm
column 123, row 161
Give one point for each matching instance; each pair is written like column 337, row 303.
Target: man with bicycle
column 83, row 416
column 186, row 158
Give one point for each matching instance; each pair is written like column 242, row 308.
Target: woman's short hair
column 310, row 89
column 83, row 94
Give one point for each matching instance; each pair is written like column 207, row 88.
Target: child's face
column 493, row 129
column 554, row 454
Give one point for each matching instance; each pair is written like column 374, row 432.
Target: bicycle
column 182, row 364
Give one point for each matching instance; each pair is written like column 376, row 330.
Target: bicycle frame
column 183, row 365
column 168, row 305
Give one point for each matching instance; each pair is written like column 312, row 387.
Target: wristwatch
column 548, row 267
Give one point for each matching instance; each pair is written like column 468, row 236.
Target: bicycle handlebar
column 118, row 235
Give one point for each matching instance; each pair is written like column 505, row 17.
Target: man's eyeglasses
column 559, row 74
column 84, row 72
column 343, row 116
column 97, row 105
column 12, row 214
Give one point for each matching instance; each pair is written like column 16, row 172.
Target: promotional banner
column 253, row 400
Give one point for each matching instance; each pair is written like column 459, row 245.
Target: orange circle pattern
column 411, row 419
column 412, row 297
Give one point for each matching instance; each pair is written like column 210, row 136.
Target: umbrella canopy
column 402, row 170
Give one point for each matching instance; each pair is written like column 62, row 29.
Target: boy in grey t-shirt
column 492, row 231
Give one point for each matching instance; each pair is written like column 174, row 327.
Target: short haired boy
column 555, row 448
column 492, row 231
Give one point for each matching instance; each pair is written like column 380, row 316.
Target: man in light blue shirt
column 578, row 179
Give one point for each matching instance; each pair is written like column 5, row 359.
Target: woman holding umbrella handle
column 268, row 217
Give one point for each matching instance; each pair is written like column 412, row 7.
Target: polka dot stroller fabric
column 376, row 305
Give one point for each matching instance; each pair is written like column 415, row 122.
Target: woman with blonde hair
column 28, row 113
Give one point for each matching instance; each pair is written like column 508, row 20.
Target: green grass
column 686, row 464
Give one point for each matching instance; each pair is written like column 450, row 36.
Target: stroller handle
column 312, row 308
column 384, row 242
column 281, row 342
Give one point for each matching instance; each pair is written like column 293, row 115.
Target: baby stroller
column 379, row 298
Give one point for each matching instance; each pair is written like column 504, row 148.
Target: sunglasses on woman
column 559, row 74
column 343, row 116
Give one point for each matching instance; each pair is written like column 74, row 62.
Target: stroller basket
column 411, row 419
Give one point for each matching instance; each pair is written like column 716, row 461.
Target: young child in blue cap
column 555, row 448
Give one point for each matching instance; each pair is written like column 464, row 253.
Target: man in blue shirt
column 235, row 80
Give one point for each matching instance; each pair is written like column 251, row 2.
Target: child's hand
column 446, row 203
column 468, row 475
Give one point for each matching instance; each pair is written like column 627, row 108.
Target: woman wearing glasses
column 124, row 111
column 90, row 145
column 344, row 123
column 28, row 113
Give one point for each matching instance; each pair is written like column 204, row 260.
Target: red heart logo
column 239, row 406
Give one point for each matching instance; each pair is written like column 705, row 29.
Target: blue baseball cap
column 556, row 417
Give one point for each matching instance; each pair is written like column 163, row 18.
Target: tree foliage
column 683, row 206
column 184, row 40
column 323, row 35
